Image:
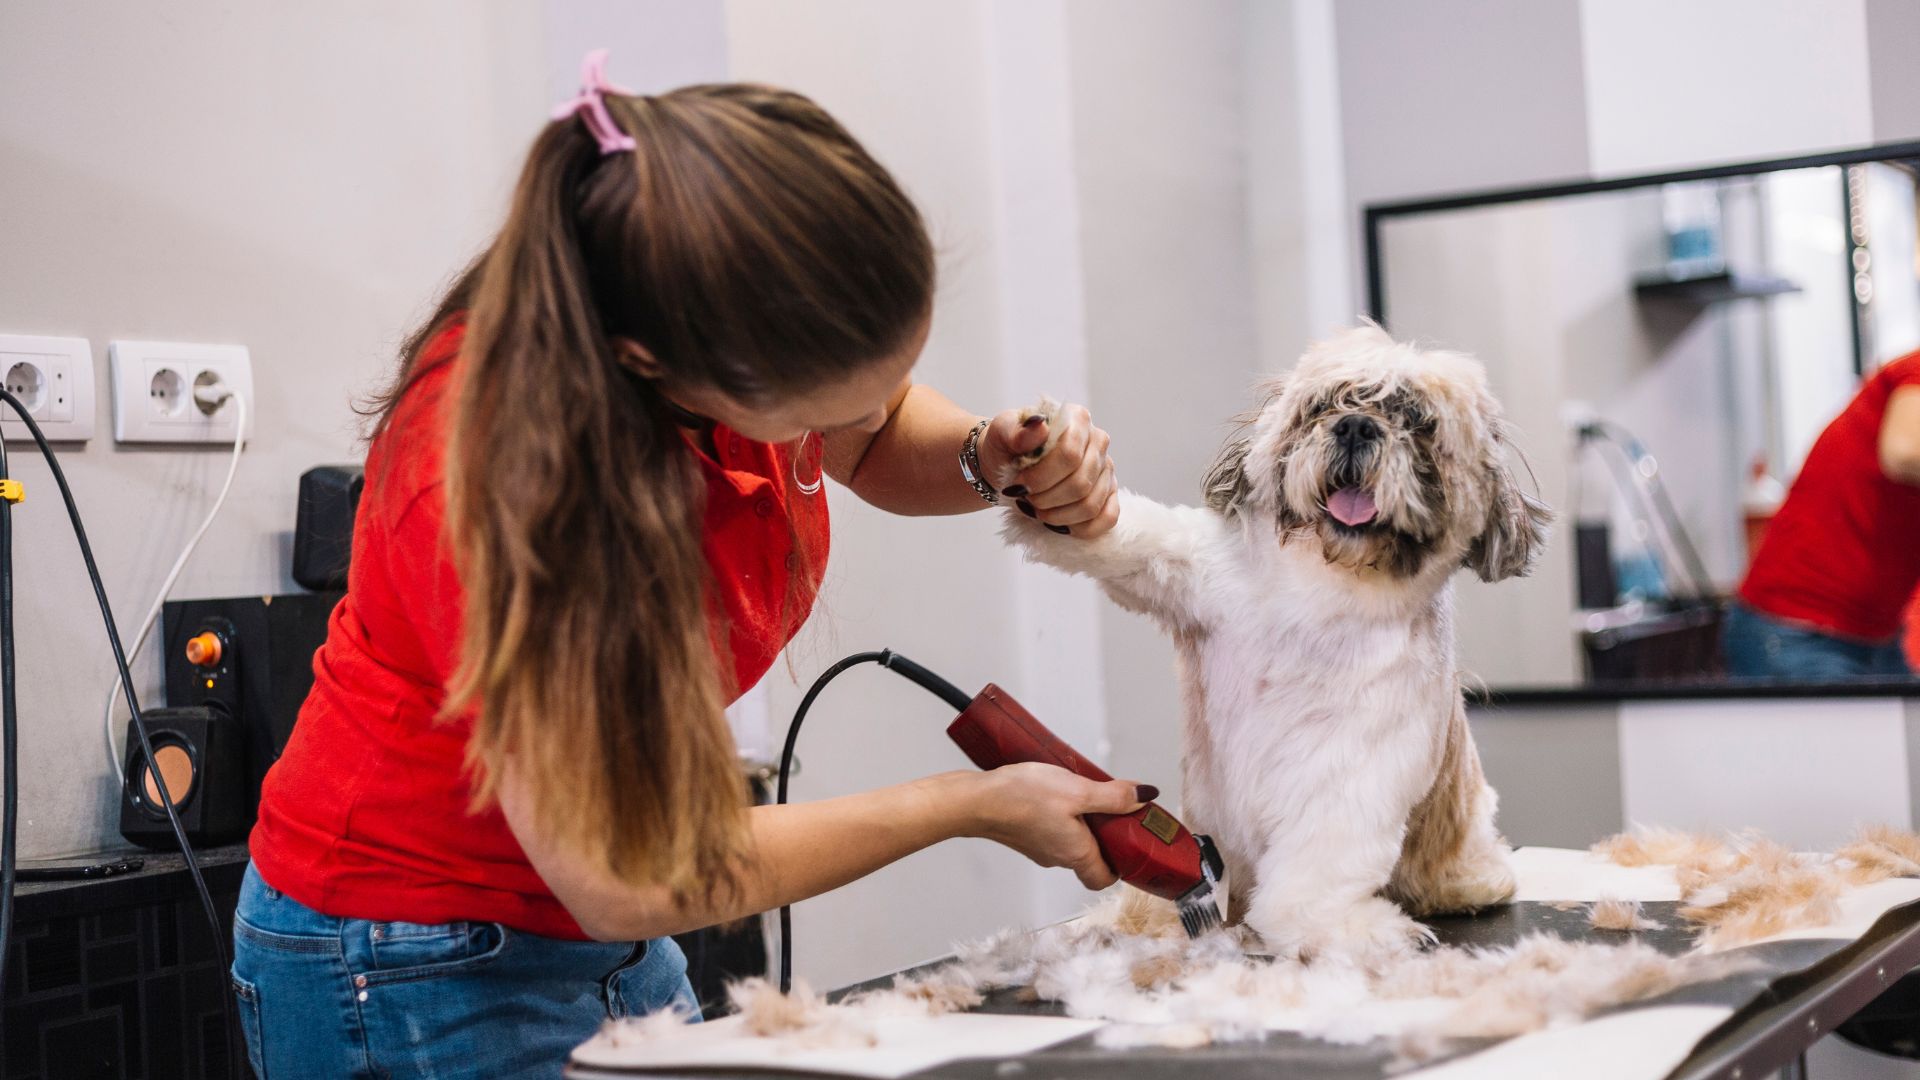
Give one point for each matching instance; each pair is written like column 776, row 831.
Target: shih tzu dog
column 1325, row 745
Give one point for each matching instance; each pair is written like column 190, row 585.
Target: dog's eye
column 1408, row 410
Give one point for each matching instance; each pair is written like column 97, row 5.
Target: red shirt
column 365, row 815
column 1843, row 554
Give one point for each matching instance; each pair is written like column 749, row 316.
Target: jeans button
column 359, row 980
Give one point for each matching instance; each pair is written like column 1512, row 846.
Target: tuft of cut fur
column 1880, row 852
column 1540, row 981
column 1746, row 887
column 1612, row 913
column 652, row 1027
column 1765, row 890
column 802, row 1014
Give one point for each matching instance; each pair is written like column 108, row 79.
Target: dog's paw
column 1048, row 410
column 1483, row 880
column 1367, row 934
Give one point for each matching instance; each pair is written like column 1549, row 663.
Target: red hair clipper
column 1148, row 848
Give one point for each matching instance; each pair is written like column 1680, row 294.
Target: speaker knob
column 203, row 649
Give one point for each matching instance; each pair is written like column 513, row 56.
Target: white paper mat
column 1638, row 1043
column 906, row 1044
column 1548, row 874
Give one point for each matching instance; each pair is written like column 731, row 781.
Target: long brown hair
column 751, row 246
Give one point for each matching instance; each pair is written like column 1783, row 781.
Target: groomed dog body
column 1325, row 742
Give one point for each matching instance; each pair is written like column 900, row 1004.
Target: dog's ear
column 1515, row 532
column 1225, row 485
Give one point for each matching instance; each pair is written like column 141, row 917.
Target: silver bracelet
column 970, row 464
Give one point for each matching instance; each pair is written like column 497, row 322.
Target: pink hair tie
column 591, row 104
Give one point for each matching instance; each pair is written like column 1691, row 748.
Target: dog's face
column 1389, row 457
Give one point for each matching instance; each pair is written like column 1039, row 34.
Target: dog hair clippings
column 591, row 105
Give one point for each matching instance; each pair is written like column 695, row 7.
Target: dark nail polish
column 1061, row 529
column 1026, row 508
column 1033, row 421
column 1146, row 792
column 1017, row 491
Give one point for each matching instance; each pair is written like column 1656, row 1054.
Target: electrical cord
column 133, row 707
column 9, row 727
column 212, row 397
column 886, row 658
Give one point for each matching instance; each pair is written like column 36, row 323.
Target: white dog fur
column 1325, row 744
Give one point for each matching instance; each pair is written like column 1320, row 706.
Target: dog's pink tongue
column 1352, row 506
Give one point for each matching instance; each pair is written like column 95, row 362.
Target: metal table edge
column 1854, row 978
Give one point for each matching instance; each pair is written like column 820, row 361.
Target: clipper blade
column 1199, row 907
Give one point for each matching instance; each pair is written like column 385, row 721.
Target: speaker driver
column 176, row 767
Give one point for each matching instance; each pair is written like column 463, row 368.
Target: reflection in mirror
column 1709, row 380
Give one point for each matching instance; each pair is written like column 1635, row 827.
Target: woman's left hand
column 1073, row 488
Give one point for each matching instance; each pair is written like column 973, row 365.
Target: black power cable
column 9, row 726
column 886, row 658
column 133, row 708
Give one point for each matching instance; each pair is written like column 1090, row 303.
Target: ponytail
column 749, row 245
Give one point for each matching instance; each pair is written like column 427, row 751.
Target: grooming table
column 1741, row 1027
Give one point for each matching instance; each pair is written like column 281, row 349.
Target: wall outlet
column 153, row 391
column 53, row 378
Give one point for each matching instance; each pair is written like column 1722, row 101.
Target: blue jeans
column 320, row 996
column 1759, row 646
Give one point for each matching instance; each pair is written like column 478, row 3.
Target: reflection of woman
column 1825, row 596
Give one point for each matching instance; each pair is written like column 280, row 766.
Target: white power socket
column 53, row 378
column 153, row 384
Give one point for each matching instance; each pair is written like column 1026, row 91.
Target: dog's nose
column 1354, row 430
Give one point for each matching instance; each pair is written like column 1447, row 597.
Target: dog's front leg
column 1154, row 561
column 1318, row 884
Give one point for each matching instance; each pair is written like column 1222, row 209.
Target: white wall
column 1893, row 33
column 1461, row 94
column 1297, row 205
column 916, row 85
column 1671, row 85
column 207, row 172
column 1165, row 241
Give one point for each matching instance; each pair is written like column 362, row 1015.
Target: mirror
column 1668, row 350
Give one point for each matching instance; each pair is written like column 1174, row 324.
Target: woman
column 592, row 517
column 1824, row 597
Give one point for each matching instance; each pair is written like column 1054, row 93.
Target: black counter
column 1692, row 690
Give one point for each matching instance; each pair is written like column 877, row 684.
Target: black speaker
column 323, row 525
column 253, row 657
column 200, row 754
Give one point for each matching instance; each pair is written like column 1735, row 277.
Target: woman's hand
column 1036, row 810
column 1072, row 487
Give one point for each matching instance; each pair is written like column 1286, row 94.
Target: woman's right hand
column 1036, row 810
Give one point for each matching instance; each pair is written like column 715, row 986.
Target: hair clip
column 591, row 104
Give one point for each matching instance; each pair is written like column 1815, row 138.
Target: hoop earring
column 818, row 479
